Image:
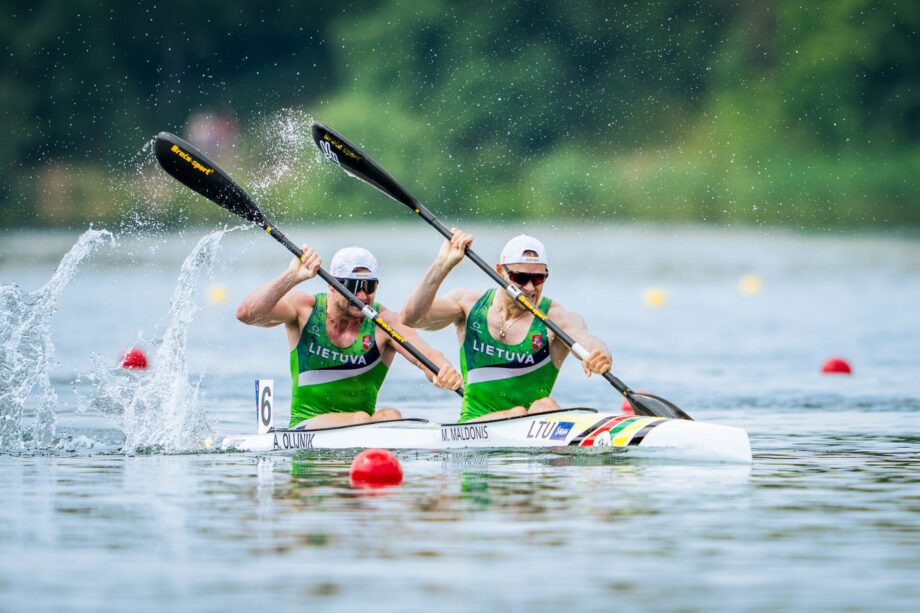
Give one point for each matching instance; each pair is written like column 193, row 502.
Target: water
column 121, row 504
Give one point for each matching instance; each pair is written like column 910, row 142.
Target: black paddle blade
column 655, row 406
column 195, row 170
column 358, row 165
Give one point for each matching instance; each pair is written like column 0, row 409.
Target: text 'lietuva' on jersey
column 331, row 379
column 497, row 376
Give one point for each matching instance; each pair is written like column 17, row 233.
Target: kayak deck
column 573, row 428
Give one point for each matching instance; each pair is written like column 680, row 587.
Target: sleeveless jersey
column 331, row 379
column 497, row 376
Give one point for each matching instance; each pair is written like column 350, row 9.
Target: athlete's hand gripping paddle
column 195, row 170
column 359, row 165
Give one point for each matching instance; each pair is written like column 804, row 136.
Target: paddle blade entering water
column 655, row 406
column 196, row 171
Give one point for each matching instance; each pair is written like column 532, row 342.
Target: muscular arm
column 269, row 305
column 273, row 304
column 599, row 359
column 423, row 309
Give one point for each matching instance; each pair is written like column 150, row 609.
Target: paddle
column 195, row 170
column 358, row 165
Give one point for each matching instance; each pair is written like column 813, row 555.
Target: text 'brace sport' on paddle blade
column 194, row 169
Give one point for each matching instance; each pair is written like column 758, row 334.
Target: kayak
column 569, row 428
column 574, row 429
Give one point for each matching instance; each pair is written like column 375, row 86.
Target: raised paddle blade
column 655, row 406
column 358, row 165
column 195, row 170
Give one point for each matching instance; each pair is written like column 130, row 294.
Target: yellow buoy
column 217, row 293
column 655, row 297
column 750, row 285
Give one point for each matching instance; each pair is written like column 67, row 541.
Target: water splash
column 289, row 149
column 147, row 192
column 159, row 409
column 26, row 350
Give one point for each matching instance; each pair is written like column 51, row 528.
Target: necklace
column 502, row 329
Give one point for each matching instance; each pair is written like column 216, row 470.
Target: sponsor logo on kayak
column 366, row 341
column 188, row 158
column 294, row 440
column 548, row 429
column 536, row 341
column 464, row 433
column 562, row 430
column 325, row 352
column 510, row 356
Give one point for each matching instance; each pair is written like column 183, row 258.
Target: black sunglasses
column 523, row 278
column 368, row 286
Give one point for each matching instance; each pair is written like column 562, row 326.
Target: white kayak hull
column 570, row 428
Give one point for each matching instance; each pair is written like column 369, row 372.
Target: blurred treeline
column 804, row 114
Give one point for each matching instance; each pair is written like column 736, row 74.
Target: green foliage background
column 803, row 114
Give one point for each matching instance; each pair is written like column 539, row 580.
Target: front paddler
column 509, row 358
column 339, row 358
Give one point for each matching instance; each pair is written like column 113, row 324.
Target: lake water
column 110, row 501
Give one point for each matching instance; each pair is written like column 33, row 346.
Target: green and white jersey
column 497, row 376
column 331, row 379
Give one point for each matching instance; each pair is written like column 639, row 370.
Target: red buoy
column 134, row 358
column 837, row 366
column 375, row 468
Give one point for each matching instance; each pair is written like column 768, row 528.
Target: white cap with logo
column 514, row 251
column 346, row 261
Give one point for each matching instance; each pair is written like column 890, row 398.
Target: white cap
column 347, row 260
column 513, row 253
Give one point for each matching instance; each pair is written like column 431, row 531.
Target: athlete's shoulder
column 301, row 299
column 565, row 318
column 303, row 304
column 557, row 311
column 388, row 315
column 392, row 319
column 555, row 308
column 465, row 297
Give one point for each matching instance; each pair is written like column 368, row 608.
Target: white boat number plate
column 265, row 402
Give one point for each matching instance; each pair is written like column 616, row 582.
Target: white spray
column 159, row 409
column 27, row 353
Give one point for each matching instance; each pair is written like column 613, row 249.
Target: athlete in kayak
column 339, row 358
column 509, row 359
